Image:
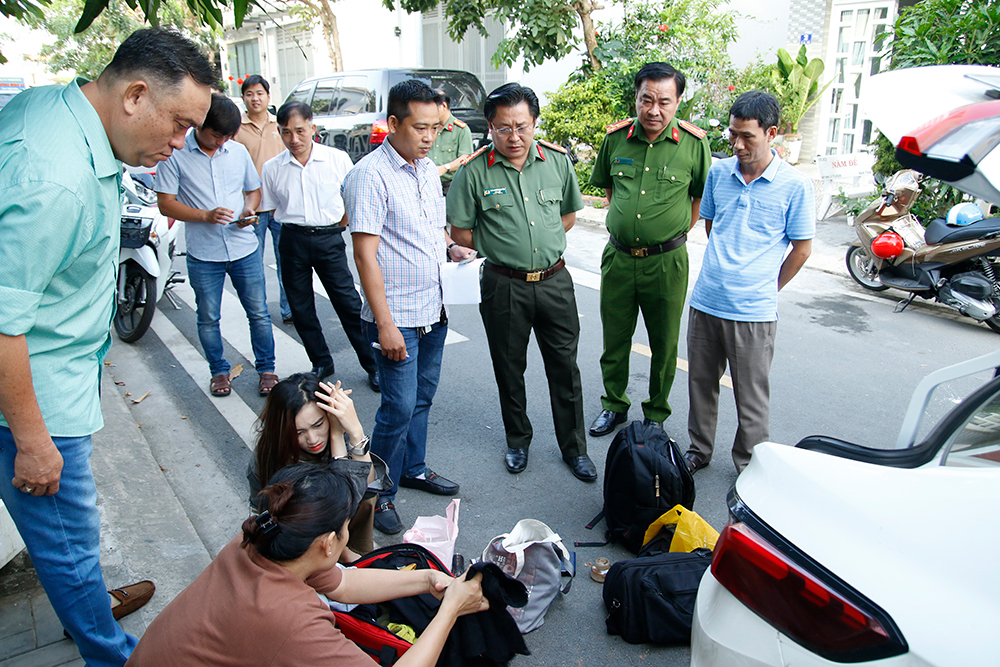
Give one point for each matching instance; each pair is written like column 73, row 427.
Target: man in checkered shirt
column 397, row 216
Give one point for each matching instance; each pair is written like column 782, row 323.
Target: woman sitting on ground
column 257, row 602
column 306, row 420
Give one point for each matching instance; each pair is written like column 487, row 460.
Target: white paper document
column 460, row 282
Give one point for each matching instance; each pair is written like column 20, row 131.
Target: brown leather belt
column 527, row 276
column 666, row 246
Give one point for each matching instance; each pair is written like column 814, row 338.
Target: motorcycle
column 954, row 265
column 145, row 262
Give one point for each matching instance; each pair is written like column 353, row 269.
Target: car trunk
column 919, row 543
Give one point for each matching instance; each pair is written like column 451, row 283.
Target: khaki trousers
column 748, row 348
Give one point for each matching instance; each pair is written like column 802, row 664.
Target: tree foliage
column 88, row 52
column 539, row 30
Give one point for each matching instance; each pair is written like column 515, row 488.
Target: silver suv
column 349, row 108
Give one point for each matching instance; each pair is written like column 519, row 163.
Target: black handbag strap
column 590, row 526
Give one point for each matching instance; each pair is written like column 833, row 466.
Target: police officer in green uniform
column 513, row 201
column 653, row 170
column 453, row 144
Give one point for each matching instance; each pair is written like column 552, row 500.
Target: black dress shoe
column 322, row 371
column 606, row 422
column 652, row 422
column 431, row 483
column 386, row 519
column 516, row 460
column 583, row 468
column 373, row 382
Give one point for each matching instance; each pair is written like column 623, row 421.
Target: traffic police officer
column 514, row 200
column 453, row 144
column 653, row 170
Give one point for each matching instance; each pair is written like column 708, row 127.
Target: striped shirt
column 387, row 197
column 752, row 226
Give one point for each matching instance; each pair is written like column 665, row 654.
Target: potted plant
column 797, row 84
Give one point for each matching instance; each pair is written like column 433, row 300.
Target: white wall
column 367, row 38
column 762, row 32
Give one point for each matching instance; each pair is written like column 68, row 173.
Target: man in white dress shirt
column 302, row 188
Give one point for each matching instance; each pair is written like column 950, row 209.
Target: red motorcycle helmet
column 887, row 245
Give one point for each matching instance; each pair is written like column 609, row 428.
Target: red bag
column 383, row 646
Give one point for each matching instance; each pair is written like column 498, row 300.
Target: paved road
column 845, row 365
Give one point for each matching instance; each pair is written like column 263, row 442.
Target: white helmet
column 963, row 214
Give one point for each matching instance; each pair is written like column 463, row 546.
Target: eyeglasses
column 523, row 131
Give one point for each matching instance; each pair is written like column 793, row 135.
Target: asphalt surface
column 844, row 366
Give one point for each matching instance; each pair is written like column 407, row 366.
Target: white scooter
column 145, row 262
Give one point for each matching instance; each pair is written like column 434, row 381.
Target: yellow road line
column 682, row 364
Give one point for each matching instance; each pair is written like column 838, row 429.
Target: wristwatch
column 361, row 448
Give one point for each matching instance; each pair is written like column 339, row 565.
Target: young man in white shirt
column 302, row 189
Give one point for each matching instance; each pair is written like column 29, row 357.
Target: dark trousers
column 510, row 309
column 301, row 254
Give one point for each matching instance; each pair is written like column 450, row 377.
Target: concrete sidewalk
column 145, row 534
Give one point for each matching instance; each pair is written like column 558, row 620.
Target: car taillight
column 380, row 130
column 800, row 605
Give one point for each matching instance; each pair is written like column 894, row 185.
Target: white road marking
column 232, row 408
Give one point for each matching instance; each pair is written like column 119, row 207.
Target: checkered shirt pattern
column 404, row 206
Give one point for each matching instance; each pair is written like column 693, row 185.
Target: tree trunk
column 331, row 35
column 584, row 9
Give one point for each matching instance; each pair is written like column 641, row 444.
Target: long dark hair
column 304, row 502
column 277, row 437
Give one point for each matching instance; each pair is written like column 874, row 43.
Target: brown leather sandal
column 267, row 382
column 131, row 597
column 220, row 385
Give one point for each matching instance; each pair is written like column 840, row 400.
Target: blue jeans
column 408, row 387
column 266, row 221
column 207, row 281
column 63, row 536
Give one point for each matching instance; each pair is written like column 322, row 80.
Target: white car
column 837, row 553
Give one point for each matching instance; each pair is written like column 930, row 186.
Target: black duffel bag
column 651, row 599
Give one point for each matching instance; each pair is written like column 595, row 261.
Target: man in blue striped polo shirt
column 754, row 205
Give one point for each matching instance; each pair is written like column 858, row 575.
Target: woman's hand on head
column 337, row 402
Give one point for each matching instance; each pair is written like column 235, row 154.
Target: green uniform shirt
column 652, row 183
column 60, row 224
column 453, row 140
column 516, row 216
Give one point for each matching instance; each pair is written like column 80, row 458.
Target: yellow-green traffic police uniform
column 516, row 222
column 645, row 264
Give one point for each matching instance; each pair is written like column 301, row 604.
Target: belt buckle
column 533, row 276
column 639, row 252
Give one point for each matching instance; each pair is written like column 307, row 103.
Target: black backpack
column 644, row 476
column 651, row 599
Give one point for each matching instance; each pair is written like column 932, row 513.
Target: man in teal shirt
column 61, row 150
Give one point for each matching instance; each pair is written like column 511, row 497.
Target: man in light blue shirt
column 60, row 225
column 205, row 184
column 755, row 205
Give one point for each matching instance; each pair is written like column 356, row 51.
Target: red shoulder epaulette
column 614, row 127
column 476, row 154
column 461, row 123
column 555, row 147
column 692, row 128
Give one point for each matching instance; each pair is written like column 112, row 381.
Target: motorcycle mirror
column 879, row 179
